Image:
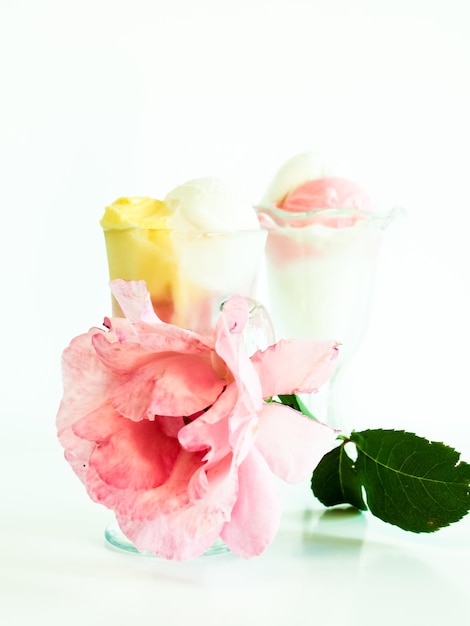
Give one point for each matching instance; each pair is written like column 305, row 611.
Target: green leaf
column 416, row 484
column 295, row 402
column 334, row 480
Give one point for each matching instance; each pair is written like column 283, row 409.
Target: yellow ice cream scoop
column 135, row 212
column 139, row 247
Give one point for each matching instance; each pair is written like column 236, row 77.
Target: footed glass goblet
column 321, row 269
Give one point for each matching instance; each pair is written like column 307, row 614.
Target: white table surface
column 331, row 566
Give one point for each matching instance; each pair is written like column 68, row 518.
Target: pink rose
column 170, row 429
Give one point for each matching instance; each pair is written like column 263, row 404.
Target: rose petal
column 229, row 334
column 86, row 386
column 295, row 366
column 211, row 430
column 134, row 300
column 154, row 536
column 128, row 455
column 172, row 384
column 175, row 527
column 230, row 347
column 121, row 357
column 292, row 443
column 123, row 352
column 257, row 512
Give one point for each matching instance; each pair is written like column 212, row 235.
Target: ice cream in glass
column 324, row 237
column 195, row 248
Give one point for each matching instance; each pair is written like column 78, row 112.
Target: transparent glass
column 320, row 268
column 188, row 273
column 118, row 540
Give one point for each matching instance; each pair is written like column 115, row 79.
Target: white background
column 105, row 98
column 101, row 99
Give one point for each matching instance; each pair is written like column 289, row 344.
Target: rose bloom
column 171, row 430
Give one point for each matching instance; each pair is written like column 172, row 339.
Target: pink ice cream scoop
column 324, row 193
column 316, row 196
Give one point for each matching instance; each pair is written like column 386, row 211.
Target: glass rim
column 287, row 218
column 187, row 231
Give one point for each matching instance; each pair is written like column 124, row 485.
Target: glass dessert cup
column 190, row 275
column 258, row 334
column 116, row 539
column 320, row 268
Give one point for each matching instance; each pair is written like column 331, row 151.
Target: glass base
column 117, row 540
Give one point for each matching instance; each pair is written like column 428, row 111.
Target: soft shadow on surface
column 370, row 561
column 327, row 551
column 340, row 527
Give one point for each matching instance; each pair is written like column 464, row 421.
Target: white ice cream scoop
column 209, row 205
column 298, row 170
